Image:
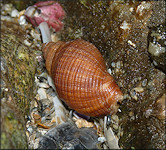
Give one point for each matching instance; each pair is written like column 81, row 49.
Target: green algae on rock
column 12, row 127
column 18, row 67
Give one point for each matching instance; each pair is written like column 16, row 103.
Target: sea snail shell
column 80, row 77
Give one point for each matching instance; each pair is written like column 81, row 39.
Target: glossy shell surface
column 81, row 78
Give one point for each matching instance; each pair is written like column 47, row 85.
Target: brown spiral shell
column 81, row 78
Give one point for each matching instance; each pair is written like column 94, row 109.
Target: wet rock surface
column 122, row 32
column 68, row 136
column 18, row 67
column 157, row 44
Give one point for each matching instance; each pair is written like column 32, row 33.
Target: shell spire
column 81, row 78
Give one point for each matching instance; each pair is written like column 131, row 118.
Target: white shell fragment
column 83, row 123
column 27, row 43
column 43, row 85
column 131, row 43
column 139, row 89
column 59, row 111
column 109, row 71
column 102, row 139
column 22, row 20
column 42, row 93
column 110, row 137
column 51, row 82
column 156, row 50
column 35, row 35
column 14, row 13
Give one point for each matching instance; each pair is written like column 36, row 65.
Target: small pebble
column 14, row 13
column 43, row 85
column 101, row 139
column 131, row 43
column 139, row 89
column 35, row 35
column 113, row 64
column 27, row 134
column 27, row 43
column 41, row 131
column 22, row 20
column 121, row 133
column 83, row 123
column 155, row 63
column 131, row 114
column 144, row 82
column 115, row 126
column 7, row 18
column 109, row 71
column 30, row 129
column 42, row 93
column 6, row 89
column 116, row 70
column 50, row 82
column 36, row 143
column 125, row 96
column 36, row 117
column 53, row 120
column 132, row 118
column 59, row 111
column 118, row 64
column 125, row 25
column 148, row 113
column 119, row 110
column 7, row 7
column 54, row 37
column 39, row 58
column 115, row 118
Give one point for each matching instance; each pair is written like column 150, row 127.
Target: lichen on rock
column 18, row 67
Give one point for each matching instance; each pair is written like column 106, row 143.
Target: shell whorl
column 80, row 77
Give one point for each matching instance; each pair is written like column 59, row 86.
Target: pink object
column 48, row 11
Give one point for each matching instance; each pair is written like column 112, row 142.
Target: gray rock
column 157, row 44
column 68, row 136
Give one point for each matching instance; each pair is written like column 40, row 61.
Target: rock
column 68, row 136
column 17, row 88
column 119, row 29
column 157, row 44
